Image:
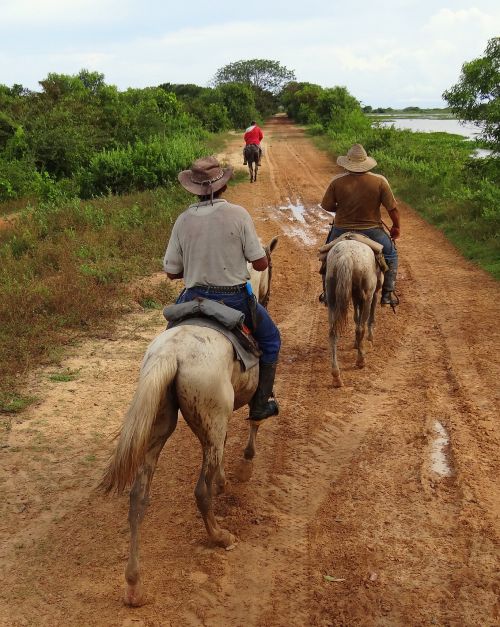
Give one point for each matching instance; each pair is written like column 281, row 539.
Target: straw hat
column 205, row 177
column 357, row 160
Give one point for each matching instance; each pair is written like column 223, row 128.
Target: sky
column 387, row 53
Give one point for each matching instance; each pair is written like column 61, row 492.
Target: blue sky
column 387, row 53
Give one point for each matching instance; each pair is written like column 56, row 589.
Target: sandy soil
column 355, row 484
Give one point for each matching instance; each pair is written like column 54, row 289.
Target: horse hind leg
column 332, row 336
column 360, row 331
column 371, row 318
column 139, row 501
column 213, row 450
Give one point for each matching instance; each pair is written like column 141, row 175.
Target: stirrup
column 390, row 298
column 271, row 408
column 322, row 298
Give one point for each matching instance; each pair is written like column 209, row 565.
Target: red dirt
column 343, row 483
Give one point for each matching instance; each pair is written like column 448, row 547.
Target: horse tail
column 338, row 292
column 157, row 373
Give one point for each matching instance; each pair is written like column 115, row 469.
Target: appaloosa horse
column 351, row 272
column 193, row 369
column 252, row 155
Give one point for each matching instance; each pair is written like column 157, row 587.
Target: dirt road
column 388, row 486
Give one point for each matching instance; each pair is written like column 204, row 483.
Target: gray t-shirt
column 212, row 244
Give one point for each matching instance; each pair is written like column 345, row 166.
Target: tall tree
column 262, row 73
column 476, row 96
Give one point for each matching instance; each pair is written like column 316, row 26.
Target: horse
column 252, row 156
column 351, row 272
column 191, row 368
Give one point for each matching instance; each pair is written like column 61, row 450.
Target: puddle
column 295, row 213
column 440, row 464
column 297, row 210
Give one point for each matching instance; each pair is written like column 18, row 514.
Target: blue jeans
column 266, row 334
column 389, row 251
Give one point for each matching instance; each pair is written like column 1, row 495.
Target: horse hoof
column 245, row 470
column 134, row 596
column 225, row 539
column 360, row 363
column 221, row 488
column 337, row 381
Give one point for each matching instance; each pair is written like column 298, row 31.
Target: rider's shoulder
column 338, row 176
column 238, row 209
column 380, row 177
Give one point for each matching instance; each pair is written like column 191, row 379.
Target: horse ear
column 273, row 243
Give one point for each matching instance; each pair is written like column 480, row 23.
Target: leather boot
column 388, row 297
column 261, row 406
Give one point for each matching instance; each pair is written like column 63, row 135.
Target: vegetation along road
column 374, row 504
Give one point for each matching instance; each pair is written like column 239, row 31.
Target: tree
column 476, row 96
column 267, row 75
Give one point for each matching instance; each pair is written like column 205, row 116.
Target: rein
column 265, row 300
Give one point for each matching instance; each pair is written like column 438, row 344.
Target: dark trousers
column 266, row 334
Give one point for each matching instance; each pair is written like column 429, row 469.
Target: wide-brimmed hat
column 205, row 177
column 357, row 160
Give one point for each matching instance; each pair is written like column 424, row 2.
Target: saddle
column 226, row 320
column 358, row 237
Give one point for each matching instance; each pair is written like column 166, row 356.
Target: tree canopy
column 261, row 73
column 476, row 96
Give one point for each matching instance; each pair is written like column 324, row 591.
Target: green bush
column 140, row 166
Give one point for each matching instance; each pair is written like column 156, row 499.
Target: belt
column 221, row 289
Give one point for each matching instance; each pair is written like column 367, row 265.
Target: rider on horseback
column 355, row 196
column 253, row 135
column 209, row 247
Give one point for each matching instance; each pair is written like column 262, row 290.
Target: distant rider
column 209, row 247
column 355, row 196
column 253, row 135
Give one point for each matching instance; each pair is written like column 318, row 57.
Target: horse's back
column 207, row 370
column 359, row 252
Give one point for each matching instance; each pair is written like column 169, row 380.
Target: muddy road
column 374, row 504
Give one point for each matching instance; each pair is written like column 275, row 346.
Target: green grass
column 65, row 269
column 12, row 403
column 65, row 376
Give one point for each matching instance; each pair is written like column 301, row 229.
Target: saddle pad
column 375, row 246
column 246, row 358
column 227, row 316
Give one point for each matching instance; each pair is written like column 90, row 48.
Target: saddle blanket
column 358, row 237
column 213, row 315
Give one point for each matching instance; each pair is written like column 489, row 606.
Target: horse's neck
column 259, row 281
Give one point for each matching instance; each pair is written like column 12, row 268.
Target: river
column 436, row 125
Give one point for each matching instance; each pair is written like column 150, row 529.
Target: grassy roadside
column 434, row 173
column 66, row 266
column 64, row 270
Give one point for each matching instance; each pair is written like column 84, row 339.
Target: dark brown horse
column 252, row 157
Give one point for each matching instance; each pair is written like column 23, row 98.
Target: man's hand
column 395, row 232
column 395, row 228
column 260, row 264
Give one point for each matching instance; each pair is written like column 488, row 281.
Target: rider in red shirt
column 253, row 135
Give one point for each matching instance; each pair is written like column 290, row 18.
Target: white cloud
column 23, row 12
column 415, row 60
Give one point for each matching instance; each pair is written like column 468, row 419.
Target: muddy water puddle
column 440, row 462
column 304, row 223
